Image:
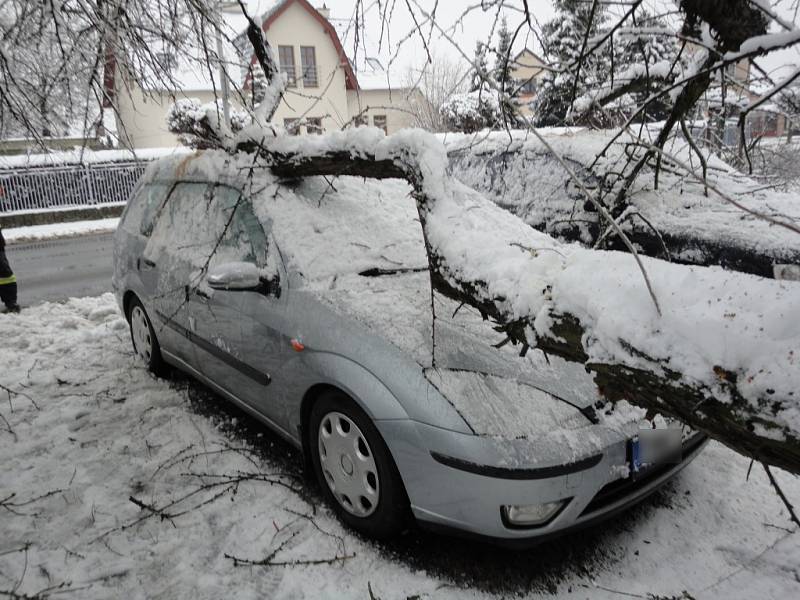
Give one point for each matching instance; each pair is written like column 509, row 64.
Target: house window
column 292, row 126
column 286, row 60
column 361, row 120
column 314, row 125
column 379, row 121
column 308, row 61
column 528, row 88
column 167, row 61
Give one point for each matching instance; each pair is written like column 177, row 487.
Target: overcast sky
column 478, row 25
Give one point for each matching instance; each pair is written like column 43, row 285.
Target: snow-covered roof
column 376, row 79
column 363, row 53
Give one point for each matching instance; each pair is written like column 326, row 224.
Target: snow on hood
column 332, row 234
column 500, row 406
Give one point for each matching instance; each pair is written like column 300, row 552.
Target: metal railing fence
column 37, row 188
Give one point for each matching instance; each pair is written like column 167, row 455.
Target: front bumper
column 466, row 499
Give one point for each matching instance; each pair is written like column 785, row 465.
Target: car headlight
column 531, row 515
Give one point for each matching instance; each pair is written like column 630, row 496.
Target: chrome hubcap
column 348, row 464
column 142, row 342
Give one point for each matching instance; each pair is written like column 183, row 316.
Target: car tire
column 143, row 337
column 355, row 469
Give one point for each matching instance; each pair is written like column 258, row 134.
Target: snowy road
column 51, row 270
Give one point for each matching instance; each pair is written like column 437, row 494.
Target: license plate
column 653, row 447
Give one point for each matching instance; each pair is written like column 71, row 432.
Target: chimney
column 324, row 11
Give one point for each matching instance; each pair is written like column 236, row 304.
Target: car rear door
column 132, row 235
column 172, row 259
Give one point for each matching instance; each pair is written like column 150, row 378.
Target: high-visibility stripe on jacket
column 7, row 280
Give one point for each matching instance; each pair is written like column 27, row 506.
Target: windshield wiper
column 378, row 272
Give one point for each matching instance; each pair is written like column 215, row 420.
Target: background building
column 327, row 90
column 526, row 68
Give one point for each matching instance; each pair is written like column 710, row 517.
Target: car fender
column 373, row 396
column 356, row 381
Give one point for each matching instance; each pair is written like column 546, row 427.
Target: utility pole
column 223, row 75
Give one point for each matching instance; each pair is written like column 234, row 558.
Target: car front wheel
column 355, row 469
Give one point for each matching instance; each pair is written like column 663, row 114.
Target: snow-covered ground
column 91, row 445
column 57, row 230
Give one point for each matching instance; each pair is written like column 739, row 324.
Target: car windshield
column 327, row 232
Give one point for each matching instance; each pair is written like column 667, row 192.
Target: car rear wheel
column 355, row 469
column 143, row 336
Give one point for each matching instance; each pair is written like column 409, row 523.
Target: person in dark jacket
column 8, row 281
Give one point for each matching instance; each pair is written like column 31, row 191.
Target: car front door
column 232, row 346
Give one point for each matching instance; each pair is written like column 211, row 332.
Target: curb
column 60, row 216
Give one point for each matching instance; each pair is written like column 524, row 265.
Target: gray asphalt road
column 59, row 269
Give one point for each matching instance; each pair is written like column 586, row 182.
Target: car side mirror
column 272, row 286
column 243, row 276
column 234, row 276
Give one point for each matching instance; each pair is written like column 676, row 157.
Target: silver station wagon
column 308, row 304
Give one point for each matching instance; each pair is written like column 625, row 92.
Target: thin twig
column 783, row 497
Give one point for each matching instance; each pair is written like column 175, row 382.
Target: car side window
column 242, row 235
column 183, row 224
column 143, row 207
column 207, row 225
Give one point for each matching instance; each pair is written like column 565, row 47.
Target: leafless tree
column 437, row 82
column 63, row 62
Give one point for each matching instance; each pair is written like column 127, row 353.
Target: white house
column 326, row 90
column 526, row 69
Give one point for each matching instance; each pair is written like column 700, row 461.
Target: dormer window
column 374, row 64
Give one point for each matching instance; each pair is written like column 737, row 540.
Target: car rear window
column 143, row 208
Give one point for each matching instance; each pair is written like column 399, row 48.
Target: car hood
column 495, row 390
column 500, row 406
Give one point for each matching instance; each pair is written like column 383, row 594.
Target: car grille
column 618, row 490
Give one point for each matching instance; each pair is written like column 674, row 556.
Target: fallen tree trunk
column 481, row 256
column 589, row 307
